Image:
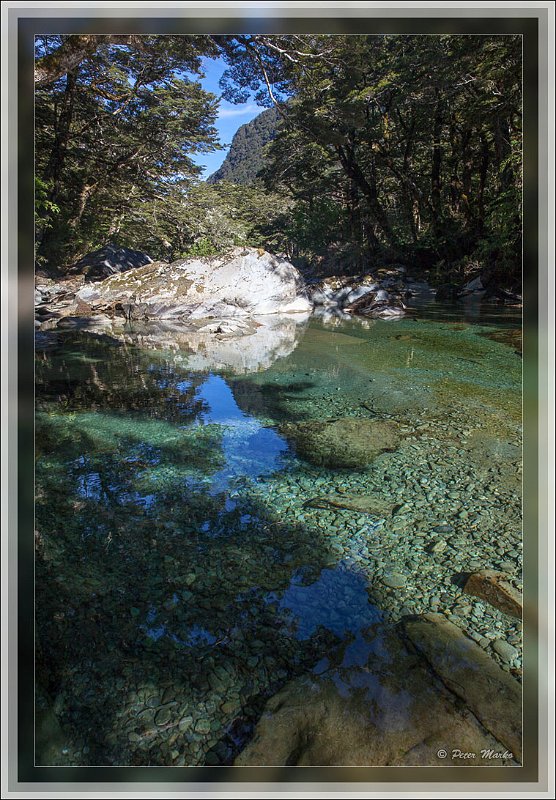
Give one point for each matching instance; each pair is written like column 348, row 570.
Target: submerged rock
column 362, row 503
column 343, row 443
column 494, row 588
column 241, row 283
column 505, row 650
column 394, row 580
column 380, row 705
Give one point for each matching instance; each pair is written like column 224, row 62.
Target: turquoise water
column 189, row 563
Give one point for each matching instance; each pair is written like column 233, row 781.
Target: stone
column 505, row 650
column 202, row 726
column 492, row 695
column 185, row 723
column 494, row 588
column 164, row 715
column 362, row 503
column 394, row 580
column 229, row 707
column 388, row 709
column 169, row 695
column 437, row 547
column 241, row 283
column 339, row 291
column 348, row 442
column 109, row 260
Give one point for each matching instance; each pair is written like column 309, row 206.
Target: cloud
column 238, row 111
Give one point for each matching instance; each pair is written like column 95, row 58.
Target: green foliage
column 422, row 161
column 202, row 247
column 374, row 151
column 113, row 135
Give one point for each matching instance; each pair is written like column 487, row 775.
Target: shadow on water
column 172, row 599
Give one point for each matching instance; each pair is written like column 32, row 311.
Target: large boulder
column 244, row 282
column 348, row 443
column 109, row 260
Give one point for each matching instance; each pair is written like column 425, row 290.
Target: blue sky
column 230, row 117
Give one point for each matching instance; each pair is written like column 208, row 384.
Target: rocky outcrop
column 382, row 701
column 341, row 290
column 109, row 260
column 245, row 282
column 350, row 443
column 380, row 297
column 494, row 588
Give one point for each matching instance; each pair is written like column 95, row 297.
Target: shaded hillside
column 245, row 158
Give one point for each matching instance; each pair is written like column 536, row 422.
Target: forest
column 375, row 149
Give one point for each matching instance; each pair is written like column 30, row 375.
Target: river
column 195, row 553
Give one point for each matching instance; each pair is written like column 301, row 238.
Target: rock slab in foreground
column 491, row 694
column 379, row 705
column 494, row 588
column 244, row 282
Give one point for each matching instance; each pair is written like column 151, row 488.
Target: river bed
column 189, row 559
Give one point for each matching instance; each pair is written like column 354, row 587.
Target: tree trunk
column 483, row 172
column 368, row 189
column 74, row 49
column 436, row 165
column 55, row 164
column 87, row 191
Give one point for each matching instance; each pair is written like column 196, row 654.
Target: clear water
column 182, row 574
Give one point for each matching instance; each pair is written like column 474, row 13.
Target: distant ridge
column 245, row 157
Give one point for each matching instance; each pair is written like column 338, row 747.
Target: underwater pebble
column 394, row 580
column 202, row 726
column 163, row 716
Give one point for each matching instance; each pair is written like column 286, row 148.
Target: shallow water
column 183, row 575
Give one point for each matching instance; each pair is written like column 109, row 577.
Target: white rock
column 244, row 282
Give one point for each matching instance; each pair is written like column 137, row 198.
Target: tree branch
column 74, row 50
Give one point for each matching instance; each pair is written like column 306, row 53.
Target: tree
column 117, row 130
column 425, row 131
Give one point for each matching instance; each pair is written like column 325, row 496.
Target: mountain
column 245, row 157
